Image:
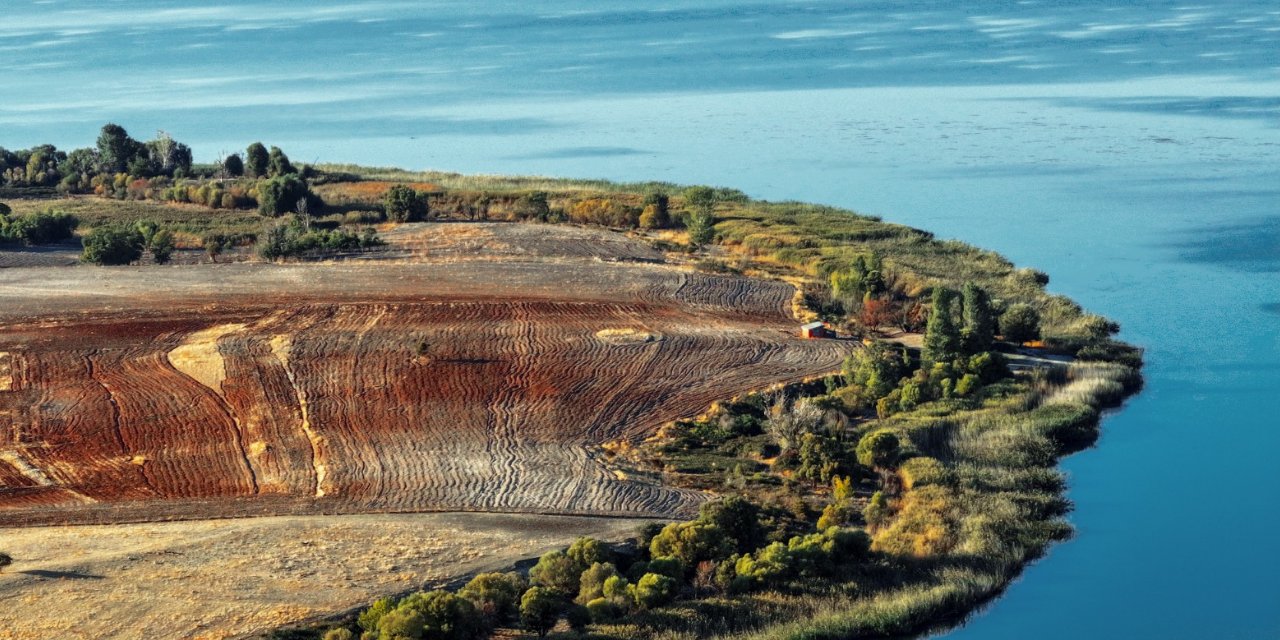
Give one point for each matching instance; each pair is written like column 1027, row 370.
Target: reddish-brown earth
column 479, row 371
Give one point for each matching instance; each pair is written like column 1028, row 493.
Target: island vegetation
column 896, row 494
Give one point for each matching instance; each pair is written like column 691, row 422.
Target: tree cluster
column 46, row 227
column 293, row 238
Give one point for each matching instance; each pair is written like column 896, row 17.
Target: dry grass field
column 229, row 578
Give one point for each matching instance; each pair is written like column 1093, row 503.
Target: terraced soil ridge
column 373, row 387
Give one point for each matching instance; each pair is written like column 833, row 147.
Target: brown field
column 481, row 372
column 212, row 579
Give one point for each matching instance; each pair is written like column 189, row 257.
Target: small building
column 816, row 330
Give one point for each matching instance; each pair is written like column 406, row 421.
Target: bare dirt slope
column 227, row 578
column 465, row 377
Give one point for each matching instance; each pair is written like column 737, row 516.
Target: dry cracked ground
column 469, row 367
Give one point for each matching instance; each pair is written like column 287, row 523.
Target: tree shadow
column 62, row 575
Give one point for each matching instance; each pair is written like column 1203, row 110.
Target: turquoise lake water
column 1132, row 152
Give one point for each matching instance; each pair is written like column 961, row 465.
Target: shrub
column 766, row 566
column 588, row 551
column 1020, row 323
column 654, row 590
column 578, row 617
column 921, row 471
column 925, row 525
column 445, row 616
column 405, row 204
column 667, row 566
column 37, row 228
column 161, row 246
column 837, row 514
column 540, row 608
column 495, row 595
column 602, row 610
column 691, row 543
column 556, row 571
column 739, row 520
column 878, row 449
column 877, row 512
column 285, row 193
column 401, row 624
column 604, row 212
column 368, row 619
column 113, row 245
column 591, row 584
column 339, row 633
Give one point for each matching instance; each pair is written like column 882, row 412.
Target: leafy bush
column 287, row 193
column 37, row 228
column 654, row 590
column 540, row 608
column 113, row 245
column 558, row 572
column 691, row 543
column 1020, row 323
column 591, row 584
column 878, row 449
column 495, row 595
column 405, row 204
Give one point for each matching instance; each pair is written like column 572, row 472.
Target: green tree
column 691, row 543
column 445, row 616
column 557, row 571
column 233, row 165
column 255, row 160
column 979, row 319
column 876, row 369
column 878, row 449
column 701, row 227
column 405, row 204
column 738, row 518
column 819, row 458
column 110, row 245
column 401, row 624
column 877, row 512
column 116, row 150
column 281, row 195
column 656, row 213
column 1020, row 323
column 654, row 590
column 540, row 608
column 700, row 198
column 533, row 206
column 369, row 618
column 495, row 595
column 214, row 244
column 591, row 586
column 836, row 514
column 941, row 338
column 588, row 551
column 278, row 164
column 168, row 156
column 161, row 246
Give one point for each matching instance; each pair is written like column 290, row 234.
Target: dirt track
column 479, row 370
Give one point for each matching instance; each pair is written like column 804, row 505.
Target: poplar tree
column 941, row 338
column 979, row 320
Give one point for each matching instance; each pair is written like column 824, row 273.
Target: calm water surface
column 1133, row 152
